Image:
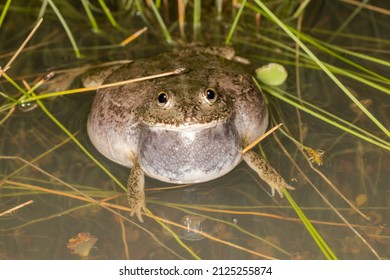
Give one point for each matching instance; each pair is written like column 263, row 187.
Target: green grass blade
column 9, row 97
column 107, row 11
column 325, row 249
column 301, row 8
column 4, row 12
column 218, row 6
column 42, row 10
column 90, row 16
column 197, row 21
column 66, row 27
column 235, row 22
column 163, row 27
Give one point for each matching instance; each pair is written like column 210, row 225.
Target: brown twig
column 368, row 7
column 133, row 36
column 254, row 143
column 123, row 231
column 8, row 65
column 13, row 209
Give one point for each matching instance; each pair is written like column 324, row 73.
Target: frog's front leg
column 266, row 172
column 135, row 190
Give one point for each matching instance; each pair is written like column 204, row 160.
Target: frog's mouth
column 181, row 154
column 182, row 122
column 187, row 126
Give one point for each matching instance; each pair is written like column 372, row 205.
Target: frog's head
column 182, row 103
column 188, row 122
column 189, row 133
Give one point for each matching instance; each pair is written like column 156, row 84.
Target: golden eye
column 210, row 95
column 162, row 99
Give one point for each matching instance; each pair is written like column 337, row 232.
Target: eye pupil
column 210, row 94
column 162, row 98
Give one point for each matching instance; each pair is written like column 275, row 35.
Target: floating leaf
column 272, row 74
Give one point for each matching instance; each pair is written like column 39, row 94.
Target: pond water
column 236, row 213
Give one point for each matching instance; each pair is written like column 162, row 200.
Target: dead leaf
column 81, row 244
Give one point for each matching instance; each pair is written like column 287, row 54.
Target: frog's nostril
column 191, row 114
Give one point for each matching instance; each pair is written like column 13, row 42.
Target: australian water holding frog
column 185, row 128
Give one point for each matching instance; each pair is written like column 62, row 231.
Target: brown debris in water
column 81, row 244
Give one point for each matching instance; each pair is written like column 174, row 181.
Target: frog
column 185, row 128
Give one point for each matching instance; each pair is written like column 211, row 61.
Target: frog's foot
column 266, row 172
column 135, row 191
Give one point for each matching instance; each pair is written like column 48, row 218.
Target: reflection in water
column 27, row 106
column 193, row 222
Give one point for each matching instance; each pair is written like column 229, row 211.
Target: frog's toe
column 136, row 207
column 139, row 215
column 266, row 172
column 137, row 204
column 279, row 189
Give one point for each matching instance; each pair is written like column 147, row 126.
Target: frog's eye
column 162, row 99
column 210, row 95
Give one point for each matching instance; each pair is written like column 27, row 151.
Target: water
column 236, row 212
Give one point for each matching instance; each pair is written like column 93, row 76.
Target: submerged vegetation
column 334, row 143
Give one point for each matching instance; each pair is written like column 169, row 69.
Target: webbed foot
column 266, row 172
column 135, row 191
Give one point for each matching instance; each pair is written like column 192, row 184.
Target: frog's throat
column 190, row 156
